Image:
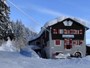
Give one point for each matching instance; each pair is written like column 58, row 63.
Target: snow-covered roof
column 54, row 21
column 59, row 19
column 38, row 35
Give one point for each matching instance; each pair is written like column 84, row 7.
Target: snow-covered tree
column 21, row 33
column 5, row 27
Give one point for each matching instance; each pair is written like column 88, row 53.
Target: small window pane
column 55, row 31
column 75, row 42
column 65, row 31
column 68, row 43
column 65, row 23
column 80, row 32
column 80, row 42
column 57, row 42
column 71, row 31
column 70, row 23
column 61, row 31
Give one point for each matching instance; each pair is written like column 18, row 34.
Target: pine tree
column 5, row 27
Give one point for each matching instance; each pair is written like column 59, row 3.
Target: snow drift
column 16, row 60
column 28, row 58
column 8, row 46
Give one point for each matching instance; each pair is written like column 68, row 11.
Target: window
column 75, row 31
column 57, row 42
column 65, row 31
column 68, row 43
column 70, row 23
column 61, row 31
column 75, row 42
column 80, row 31
column 67, row 23
column 55, row 31
column 68, row 31
column 71, row 31
column 80, row 42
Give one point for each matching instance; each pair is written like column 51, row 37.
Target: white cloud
column 51, row 12
column 46, row 11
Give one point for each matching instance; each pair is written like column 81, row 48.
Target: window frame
column 81, row 42
column 55, row 31
column 80, row 31
column 57, row 42
column 61, row 31
column 67, row 44
column 65, row 31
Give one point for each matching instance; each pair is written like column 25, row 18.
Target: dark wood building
column 62, row 35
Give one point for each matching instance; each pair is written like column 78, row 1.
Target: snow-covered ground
column 27, row 58
column 8, row 46
column 16, row 60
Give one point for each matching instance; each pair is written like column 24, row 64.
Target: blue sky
column 45, row 10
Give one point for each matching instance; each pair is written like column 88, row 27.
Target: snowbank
column 15, row 60
column 8, row 46
column 28, row 58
